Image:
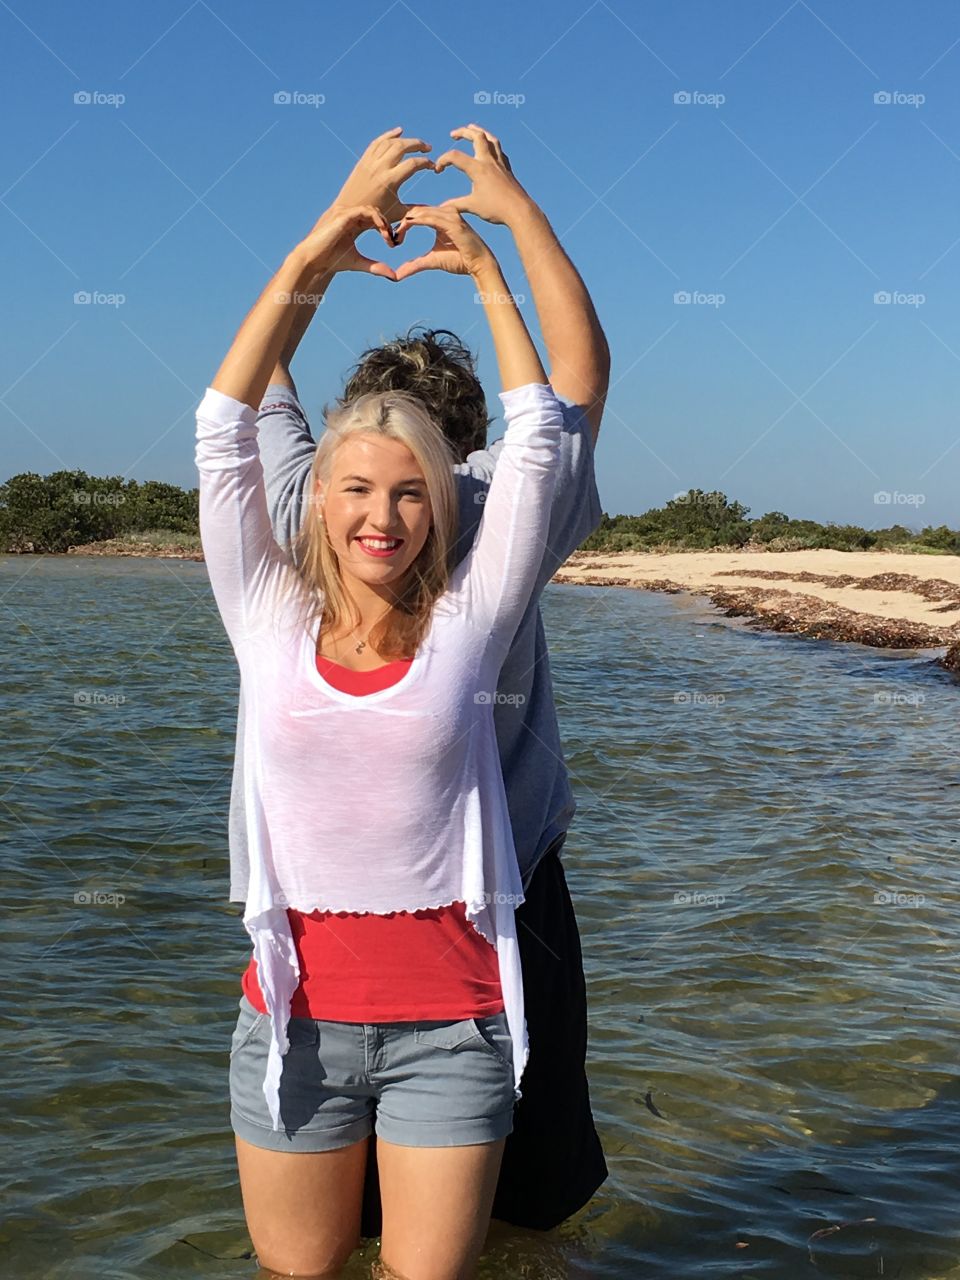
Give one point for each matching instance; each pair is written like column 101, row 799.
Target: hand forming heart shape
column 457, row 247
column 388, row 162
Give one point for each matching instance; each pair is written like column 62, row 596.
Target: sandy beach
column 884, row 599
column 870, row 597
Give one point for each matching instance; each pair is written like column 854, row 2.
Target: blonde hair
column 395, row 415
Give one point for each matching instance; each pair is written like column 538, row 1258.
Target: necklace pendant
column 361, row 646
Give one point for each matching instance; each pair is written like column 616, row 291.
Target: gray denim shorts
column 418, row 1084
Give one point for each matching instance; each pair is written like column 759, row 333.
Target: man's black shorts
column 552, row 1162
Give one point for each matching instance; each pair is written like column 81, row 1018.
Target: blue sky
column 782, row 197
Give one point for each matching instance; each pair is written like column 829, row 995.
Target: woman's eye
column 406, row 493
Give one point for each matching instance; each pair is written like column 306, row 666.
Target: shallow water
column 765, row 870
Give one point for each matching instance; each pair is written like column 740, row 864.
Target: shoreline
column 142, row 550
column 887, row 600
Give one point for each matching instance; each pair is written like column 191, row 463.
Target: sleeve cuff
column 279, row 391
column 529, row 395
column 216, row 406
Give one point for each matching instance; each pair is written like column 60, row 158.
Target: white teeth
column 380, row 544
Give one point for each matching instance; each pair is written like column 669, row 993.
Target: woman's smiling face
column 376, row 508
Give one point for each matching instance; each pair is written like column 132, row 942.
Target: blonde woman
column 405, row 812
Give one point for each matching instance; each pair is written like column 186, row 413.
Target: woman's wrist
column 314, row 259
column 488, row 275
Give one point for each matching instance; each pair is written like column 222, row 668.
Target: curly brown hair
column 439, row 370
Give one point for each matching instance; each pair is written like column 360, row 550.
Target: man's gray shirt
column 535, row 778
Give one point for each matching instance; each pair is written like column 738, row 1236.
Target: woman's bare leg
column 302, row 1208
column 436, row 1208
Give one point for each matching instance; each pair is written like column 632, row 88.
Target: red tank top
column 401, row 967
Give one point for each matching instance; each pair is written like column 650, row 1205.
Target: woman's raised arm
column 248, row 572
column 329, row 248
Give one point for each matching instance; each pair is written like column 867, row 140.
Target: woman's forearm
column 247, row 367
column 516, row 354
column 304, row 312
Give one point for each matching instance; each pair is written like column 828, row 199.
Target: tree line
column 70, row 508
column 699, row 520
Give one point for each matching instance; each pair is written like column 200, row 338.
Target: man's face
column 376, row 508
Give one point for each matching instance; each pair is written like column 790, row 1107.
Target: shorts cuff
column 443, row 1133
column 282, row 1139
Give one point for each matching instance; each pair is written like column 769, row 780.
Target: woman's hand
column 330, row 246
column 457, row 249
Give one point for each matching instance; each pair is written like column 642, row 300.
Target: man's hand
column 496, row 196
column 381, row 170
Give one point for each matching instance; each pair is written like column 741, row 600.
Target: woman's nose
column 383, row 513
